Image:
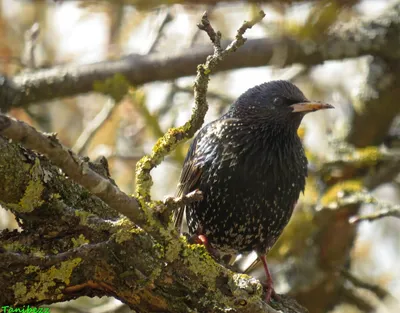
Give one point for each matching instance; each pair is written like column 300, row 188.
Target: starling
column 250, row 166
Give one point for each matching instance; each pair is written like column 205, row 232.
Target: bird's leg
column 199, row 239
column 269, row 283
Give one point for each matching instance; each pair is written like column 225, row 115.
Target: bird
column 251, row 167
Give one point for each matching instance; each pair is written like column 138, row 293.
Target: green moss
column 20, row 292
column 159, row 250
column 83, row 216
column 366, row 157
column 163, row 146
column 81, row 240
column 199, row 262
column 203, row 68
column 23, row 248
column 31, row 269
column 40, row 253
column 340, row 189
column 116, row 86
column 44, row 282
column 126, row 230
column 202, row 264
column 172, row 246
column 244, row 296
column 15, row 246
column 32, row 197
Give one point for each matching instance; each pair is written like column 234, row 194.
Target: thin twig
column 214, row 36
column 178, row 202
column 31, row 37
column 350, row 296
column 91, row 129
column 380, row 292
column 240, row 40
column 73, row 166
column 174, row 136
column 165, row 19
column 211, row 94
column 394, row 212
column 384, row 209
column 210, row 9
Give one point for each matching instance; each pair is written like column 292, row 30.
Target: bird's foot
column 270, row 292
column 202, row 240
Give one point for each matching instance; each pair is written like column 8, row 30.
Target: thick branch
column 377, row 37
column 149, row 4
column 374, row 105
column 153, row 3
column 32, row 185
column 130, row 265
column 75, row 167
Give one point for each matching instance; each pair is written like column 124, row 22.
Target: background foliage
column 343, row 52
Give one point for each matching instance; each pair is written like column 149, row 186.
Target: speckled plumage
column 251, row 168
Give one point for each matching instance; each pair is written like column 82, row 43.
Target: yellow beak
column 311, row 106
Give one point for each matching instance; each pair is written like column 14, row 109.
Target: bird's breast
column 250, row 183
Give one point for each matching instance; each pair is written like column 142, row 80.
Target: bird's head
column 278, row 101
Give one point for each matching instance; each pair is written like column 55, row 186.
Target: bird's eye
column 278, row 101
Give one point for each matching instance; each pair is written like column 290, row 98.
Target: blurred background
column 352, row 170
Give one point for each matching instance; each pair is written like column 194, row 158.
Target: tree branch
column 375, row 98
column 133, row 269
column 94, row 256
column 377, row 290
column 75, row 167
column 369, row 37
column 394, row 212
column 154, row 3
column 93, row 126
column 174, row 136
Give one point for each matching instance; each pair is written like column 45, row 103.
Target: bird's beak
column 311, row 106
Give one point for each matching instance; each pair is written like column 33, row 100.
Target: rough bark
column 73, row 244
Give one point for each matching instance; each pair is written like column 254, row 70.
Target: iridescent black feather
column 251, row 167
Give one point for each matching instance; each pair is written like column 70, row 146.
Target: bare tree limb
column 71, row 248
column 31, row 37
column 377, row 290
column 375, row 99
column 178, row 202
column 146, row 4
column 93, row 126
column 164, row 20
column 394, row 212
column 174, row 136
column 350, row 296
column 75, row 167
column 355, row 198
column 375, row 37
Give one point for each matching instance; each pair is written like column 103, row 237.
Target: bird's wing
column 190, row 175
column 201, row 153
column 190, row 171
